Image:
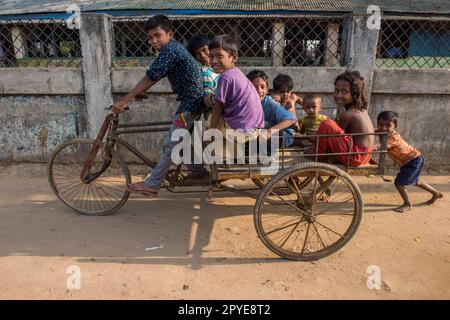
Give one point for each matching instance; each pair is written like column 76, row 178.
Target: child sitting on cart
column 184, row 75
column 275, row 95
column 284, row 84
column 198, row 48
column 276, row 118
column 408, row 158
column 309, row 124
column 350, row 97
column 236, row 103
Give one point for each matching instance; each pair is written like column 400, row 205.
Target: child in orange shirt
column 408, row 158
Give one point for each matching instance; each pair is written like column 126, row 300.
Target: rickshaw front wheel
column 104, row 193
column 317, row 218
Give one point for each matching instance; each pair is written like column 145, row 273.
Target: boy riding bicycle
column 184, row 75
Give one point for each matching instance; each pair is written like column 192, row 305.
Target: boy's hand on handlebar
column 120, row 105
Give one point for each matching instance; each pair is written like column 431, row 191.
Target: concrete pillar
column 278, row 44
column 362, row 49
column 347, row 27
column 332, row 45
column 97, row 60
column 18, row 43
column 123, row 45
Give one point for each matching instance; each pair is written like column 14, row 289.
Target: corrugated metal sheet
column 8, row 7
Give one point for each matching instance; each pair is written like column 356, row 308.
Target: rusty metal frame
column 217, row 173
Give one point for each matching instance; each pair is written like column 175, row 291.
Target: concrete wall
column 32, row 126
column 40, row 108
column 421, row 97
column 422, row 100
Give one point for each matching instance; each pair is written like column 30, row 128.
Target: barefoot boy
column 408, row 158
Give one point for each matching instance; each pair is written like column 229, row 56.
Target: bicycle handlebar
column 139, row 97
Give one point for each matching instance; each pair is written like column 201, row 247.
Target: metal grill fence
column 39, row 43
column 406, row 43
column 264, row 41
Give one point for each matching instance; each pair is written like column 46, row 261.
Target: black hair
column 258, row 74
column 387, row 115
column 158, row 21
column 196, row 42
column 274, row 92
column 310, row 97
column 357, row 87
column 283, row 81
column 228, row 42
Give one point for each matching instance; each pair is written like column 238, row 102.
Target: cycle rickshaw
column 305, row 211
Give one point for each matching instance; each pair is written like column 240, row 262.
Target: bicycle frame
column 111, row 124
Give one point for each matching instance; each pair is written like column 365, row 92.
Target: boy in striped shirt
column 198, row 48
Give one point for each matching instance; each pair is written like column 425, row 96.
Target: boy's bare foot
column 140, row 187
column 403, row 208
column 434, row 198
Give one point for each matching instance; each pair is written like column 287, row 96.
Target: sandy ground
column 211, row 250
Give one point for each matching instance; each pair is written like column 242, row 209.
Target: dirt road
column 208, row 250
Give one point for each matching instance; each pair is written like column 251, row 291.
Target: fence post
column 362, row 49
column 96, row 50
column 278, row 44
column 332, row 45
column 18, row 43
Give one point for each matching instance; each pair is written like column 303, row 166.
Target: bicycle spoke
column 99, row 197
column 333, row 206
column 306, row 238
column 110, row 196
column 285, row 226
column 290, row 204
column 75, row 193
column 295, row 228
column 330, row 229
column 297, row 191
column 318, row 235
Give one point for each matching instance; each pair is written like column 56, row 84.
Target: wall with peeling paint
column 33, row 126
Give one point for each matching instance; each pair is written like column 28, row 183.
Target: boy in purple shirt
column 236, row 103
